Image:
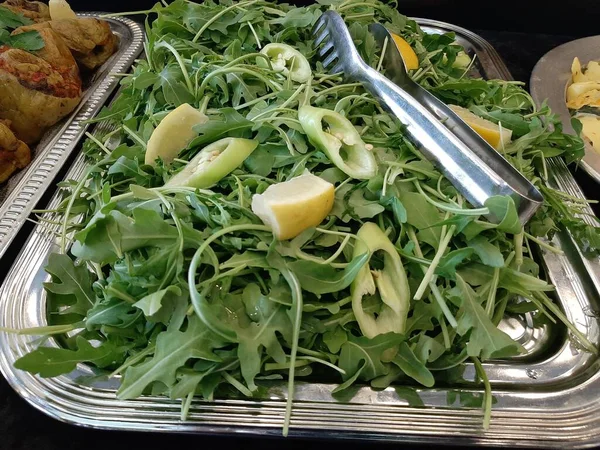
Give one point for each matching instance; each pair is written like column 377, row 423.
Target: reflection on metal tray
column 548, row 397
column 19, row 195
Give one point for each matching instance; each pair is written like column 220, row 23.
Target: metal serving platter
column 20, row 194
column 549, row 81
column 546, row 398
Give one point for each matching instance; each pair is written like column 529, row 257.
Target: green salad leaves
column 184, row 292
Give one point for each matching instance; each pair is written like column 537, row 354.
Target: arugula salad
column 284, row 227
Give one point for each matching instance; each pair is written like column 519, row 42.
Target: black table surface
column 24, row 428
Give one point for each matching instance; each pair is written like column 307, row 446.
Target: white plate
column 549, row 81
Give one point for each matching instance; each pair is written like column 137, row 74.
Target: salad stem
column 434, row 263
column 219, row 15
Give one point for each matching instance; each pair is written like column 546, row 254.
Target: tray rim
column 38, row 176
column 303, row 408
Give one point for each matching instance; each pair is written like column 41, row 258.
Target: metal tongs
column 472, row 165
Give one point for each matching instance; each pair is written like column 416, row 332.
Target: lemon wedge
column 173, row 134
column 291, row 207
column 491, row 132
column 60, row 9
column 411, row 61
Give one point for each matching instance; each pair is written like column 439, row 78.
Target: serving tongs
column 472, row 165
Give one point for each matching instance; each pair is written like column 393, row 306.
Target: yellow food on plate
column 494, row 134
column 591, row 129
column 591, row 73
column 586, row 93
column 585, row 89
column 291, row 207
column 173, row 133
column 411, row 60
column 60, row 9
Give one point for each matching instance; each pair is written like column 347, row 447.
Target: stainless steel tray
column 549, row 81
column 19, row 195
column 549, row 397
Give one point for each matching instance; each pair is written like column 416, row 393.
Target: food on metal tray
column 37, row 90
column 36, row 11
column 14, row 154
column 90, row 40
column 42, row 50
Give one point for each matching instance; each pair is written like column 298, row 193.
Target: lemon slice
column 173, row 134
column 411, row 60
column 291, row 207
column 491, row 132
column 60, row 9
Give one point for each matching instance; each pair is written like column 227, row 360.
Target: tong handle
column 460, row 129
column 464, row 168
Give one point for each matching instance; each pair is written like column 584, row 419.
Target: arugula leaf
column 71, row 282
column 485, row 340
column 407, row 361
column 50, row 361
column 448, row 263
column 173, row 87
column 503, row 207
column 231, row 124
column 114, row 312
column 268, row 319
column 429, row 349
column 365, row 355
column 422, row 216
column 422, row 317
column 334, row 339
column 246, row 259
column 111, row 235
column 173, row 349
column 322, row 279
column 159, row 306
column 363, row 208
column 488, row 253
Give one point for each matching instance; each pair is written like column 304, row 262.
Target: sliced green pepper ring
column 341, row 142
column 287, row 60
column 390, row 282
column 214, row 162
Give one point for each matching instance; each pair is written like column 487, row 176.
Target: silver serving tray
column 546, row 398
column 20, row 194
column 549, row 81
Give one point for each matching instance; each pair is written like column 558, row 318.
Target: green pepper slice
column 214, row 162
column 390, row 282
column 341, row 143
column 287, row 60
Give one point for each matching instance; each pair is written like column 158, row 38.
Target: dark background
column 522, row 32
column 567, row 17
